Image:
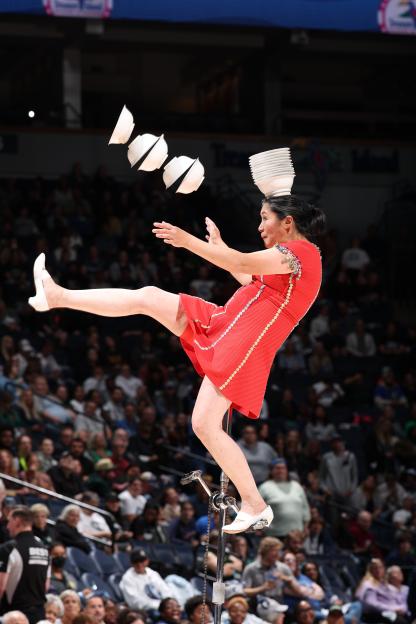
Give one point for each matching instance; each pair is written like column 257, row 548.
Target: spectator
column 378, row 598
column 77, row 448
column 287, row 499
column 171, row 508
column 258, row 454
column 338, row 472
column 319, row 325
column 148, row 527
column 66, row 529
column 388, row 391
column 132, row 500
column 320, row 363
column 304, row 613
column 23, row 586
column 142, row 587
column 128, row 383
column 45, row 454
column 359, row 342
column 95, row 609
column 72, row 606
column 91, row 523
column 290, row 359
column 54, row 608
column 15, row 617
column 184, row 528
column 197, row 610
column 40, row 523
column 319, row 427
column 363, row 498
column 60, row 579
column 64, row 476
column 318, row 540
column 169, row 611
column 267, row 575
column 355, row 258
column 306, row 588
column 101, row 480
column 363, row 540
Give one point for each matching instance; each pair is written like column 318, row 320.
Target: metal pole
column 218, row 589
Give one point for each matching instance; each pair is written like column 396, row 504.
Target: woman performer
column 233, row 346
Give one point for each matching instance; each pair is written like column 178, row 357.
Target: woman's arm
column 267, row 262
column 214, row 238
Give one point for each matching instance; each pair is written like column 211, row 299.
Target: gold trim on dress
column 260, row 336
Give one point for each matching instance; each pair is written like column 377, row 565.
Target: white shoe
column 39, row 301
column 244, row 521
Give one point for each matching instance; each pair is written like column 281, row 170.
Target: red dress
column 235, row 345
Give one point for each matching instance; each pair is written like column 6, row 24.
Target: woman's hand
column 171, row 234
column 213, row 236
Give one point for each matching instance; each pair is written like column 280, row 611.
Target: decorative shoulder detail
column 291, row 259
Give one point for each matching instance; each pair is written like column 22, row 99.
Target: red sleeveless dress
column 234, row 345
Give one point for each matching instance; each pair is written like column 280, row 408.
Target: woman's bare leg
column 207, row 417
column 163, row 306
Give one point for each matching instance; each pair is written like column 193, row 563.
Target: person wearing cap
column 142, row 587
column 233, row 346
column 101, row 480
column 287, row 499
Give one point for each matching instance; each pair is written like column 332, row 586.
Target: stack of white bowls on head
column 273, row 171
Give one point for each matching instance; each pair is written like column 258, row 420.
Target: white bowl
column 123, row 128
column 193, row 179
column 274, row 174
column 274, row 187
column 177, row 167
column 268, row 153
column 155, row 147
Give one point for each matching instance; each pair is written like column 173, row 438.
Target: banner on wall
column 387, row 16
column 79, row 8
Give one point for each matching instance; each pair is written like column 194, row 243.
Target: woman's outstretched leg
column 207, row 418
column 163, row 306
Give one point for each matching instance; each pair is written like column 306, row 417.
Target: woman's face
column 196, row 617
column 172, row 611
column 71, row 606
column 311, row 570
column 238, row 613
column 51, row 612
column 72, row 518
column 40, row 519
column 271, row 227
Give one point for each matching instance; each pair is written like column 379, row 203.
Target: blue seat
column 185, row 558
column 96, row 583
column 71, row 568
column 123, row 560
column 198, row 583
column 114, row 582
column 84, row 563
column 55, row 507
column 108, row 564
column 164, row 559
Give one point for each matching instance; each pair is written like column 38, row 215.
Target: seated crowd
column 98, row 410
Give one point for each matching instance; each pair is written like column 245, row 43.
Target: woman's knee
column 199, row 425
column 148, row 297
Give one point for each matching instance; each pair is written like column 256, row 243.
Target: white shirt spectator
column 139, row 589
column 131, row 505
column 128, row 382
column 90, row 525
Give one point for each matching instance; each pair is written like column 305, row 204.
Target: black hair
column 192, row 603
column 310, row 221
